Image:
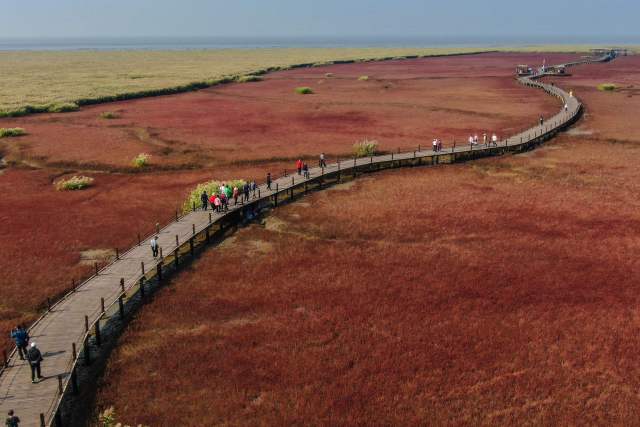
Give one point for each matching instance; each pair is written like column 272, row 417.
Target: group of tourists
column 474, row 140
column 219, row 201
column 303, row 168
column 437, row 145
column 28, row 351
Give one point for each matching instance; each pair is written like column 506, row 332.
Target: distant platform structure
column 523, row 70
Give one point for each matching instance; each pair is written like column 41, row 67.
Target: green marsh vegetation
column 11, row 132
column 304, row 90
column 365, row 148
column 74, row 183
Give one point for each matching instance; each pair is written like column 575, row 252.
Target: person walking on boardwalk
column 204, row 198
column 224, row 202
column 299, row 166
column 323, row 163
column 217, row 202
column 21, row 338
column 154, row 246
column 305, row 170
column 471, row 140
column 245, row 190
column 494, row 139
column 485, row 141
column 254, row 187
column 269, row 180
column 12, row 420
column 566, row 107
column 434, row 144
column 35, row 358
column 475, row 139
column 236, row 194
column 541, row 120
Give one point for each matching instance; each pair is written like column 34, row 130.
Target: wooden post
column 194, row 206
column 60, row 389
column 122, row 284
column 193, row 229
column 86, row 323
column 74, row 382
column 74, row 351
column 98, row 336
column 210, row 218
column 139, row 241
column 160, row 253
column 102, row 304
column 392, row 156
column 157, row 227
column 73, row 283
column 418, row 148
column 48, row 304
column 292, row 180
column 95, row 264
column 177, row 241
column 354, row 162
column 142, row 267
column 176, row 214
column 121, row 305
column 117, row 254
column 42, row 423
column 142, row 286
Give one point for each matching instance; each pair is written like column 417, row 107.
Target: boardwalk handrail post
column 74, row 351
column 210, row 218
column 139, row 240
column 60, row 389
column 142, row 267
column 122, row 284
column 86, row 323
column 193, row 229
column 177, row 241
column 102, row 305
column 98, row 335
column 42, row 422
column 117, row 254
column 95, row 265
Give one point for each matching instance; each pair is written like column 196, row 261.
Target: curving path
column 71, row 322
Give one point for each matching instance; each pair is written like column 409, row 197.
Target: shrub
column 74, row 183
column 8, row 132
column 64, row 107
column 109, row 115
column 249, row 78
column 607, row 87
column 365, row 148
column 304, row 90
column 141, row 160
column 211, row 187
column 363, row 78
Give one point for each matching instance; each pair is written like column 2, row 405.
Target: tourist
column 323, row 163
column 570, row 94
column 222, row 187
column 236, row 193
column 471, row 140
column 204, row 198
column 541, row 120
column 217, row 202
column 494, row 139
column 212, row 201
column 434, row 144
column 21, row 338
column 485, row 141
column 12, row 420
column 245, row 189
column 269, row 180
column 475, row 139
column 34, row 357
column 299, row 166
column 224, row 202
column 439, row 145
column 305, row 170
column 228, row 192
column 566, row 107
column 154, row 246
column 254, row 187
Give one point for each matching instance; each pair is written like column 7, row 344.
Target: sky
column 319, row 18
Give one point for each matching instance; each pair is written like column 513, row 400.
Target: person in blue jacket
column 21, row 338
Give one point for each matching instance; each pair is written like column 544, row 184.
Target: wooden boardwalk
column 71, row 322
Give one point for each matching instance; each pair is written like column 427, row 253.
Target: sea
column 198, row 43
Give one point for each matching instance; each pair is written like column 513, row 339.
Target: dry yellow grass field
column 41, row 78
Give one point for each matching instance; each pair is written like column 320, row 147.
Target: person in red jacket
column 299, row 166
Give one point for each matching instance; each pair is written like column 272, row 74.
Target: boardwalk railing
column 73, row 325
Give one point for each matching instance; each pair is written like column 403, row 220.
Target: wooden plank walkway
column 65, row 323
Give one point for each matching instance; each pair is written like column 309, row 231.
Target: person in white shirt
column 484, row 139
column 475, row 139
column 154, row 246
column 434, row 143
column 494, row 139
column 470, row 140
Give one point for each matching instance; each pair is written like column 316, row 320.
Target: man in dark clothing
column 12, row 420
column 35, row 357
column 541, row 120
column 204, row 198
column 245, row 189
column 269, row 180
column 21, row 338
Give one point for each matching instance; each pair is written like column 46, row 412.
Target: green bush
column 365, row 148
column 141, row 160
column 304, row 90
column 109, row 115
column 607, row 87
column 64, row 107
column 211, row 187
column 249, row 78
column 74, row 183
column 9, row 132
column 363, row 78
